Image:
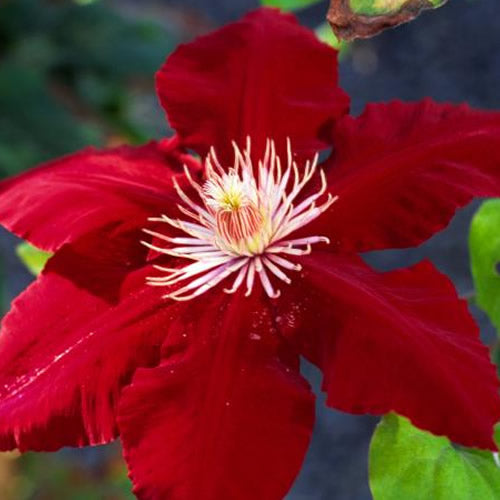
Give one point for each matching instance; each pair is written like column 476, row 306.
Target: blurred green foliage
column 289, row 4
column 60, row 476
column 65, row 76
column 33, row 258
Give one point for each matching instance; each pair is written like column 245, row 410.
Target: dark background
column 72, row 75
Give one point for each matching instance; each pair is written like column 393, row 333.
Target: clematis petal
column 70, row 342
column 401, row 170
column 222, row 416
column 66, row 198
column 263, row 76
column 397, row 341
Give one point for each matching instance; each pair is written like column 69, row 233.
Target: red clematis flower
column 187, row 346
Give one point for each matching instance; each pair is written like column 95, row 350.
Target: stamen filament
column 238, row 281
column 277, row 271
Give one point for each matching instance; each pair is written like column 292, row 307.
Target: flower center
column 241, row 225
column 234, row 205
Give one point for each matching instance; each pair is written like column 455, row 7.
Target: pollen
column 241, row 224
column 226, row 193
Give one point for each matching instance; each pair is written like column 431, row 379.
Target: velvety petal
column 401, row 170
column 66, row 198
column 397, row 341
column 223, row 415
column 264, row 77
column 71, row 341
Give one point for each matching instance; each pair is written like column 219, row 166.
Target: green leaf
column 365, row 18
column 411, row 464
column 326, row 35
column 289, row 4
column 381, row 7
column 484, row 247
column 33, row 258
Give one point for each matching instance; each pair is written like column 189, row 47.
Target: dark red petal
column 264, row 76
column 70, row 342
column 64, row 199
column 398, row 341
column 401, row 170
column 222, row 416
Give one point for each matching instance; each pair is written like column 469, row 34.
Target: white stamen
column 250, row 277
column 241, row 223
column 284, row 262
column 277, row 271
column 177, row 241
column 266, row 283
column 188, row 271
column 238, row 281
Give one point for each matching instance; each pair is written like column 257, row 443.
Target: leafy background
column 74, row 73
